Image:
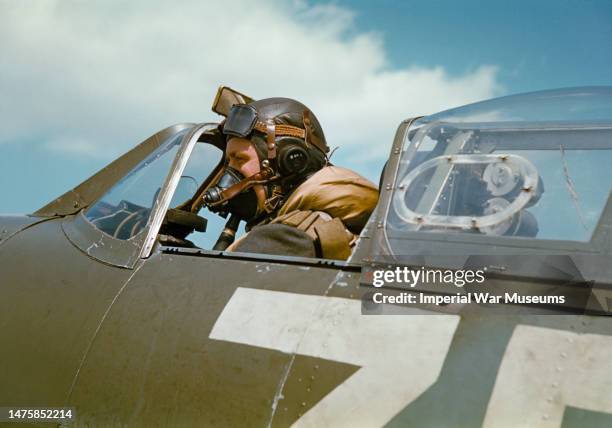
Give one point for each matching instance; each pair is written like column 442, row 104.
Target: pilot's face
column 241, row 155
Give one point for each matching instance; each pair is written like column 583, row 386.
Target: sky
column 83, row 82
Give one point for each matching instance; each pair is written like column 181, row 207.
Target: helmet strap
column 271, row 139
column 275, row 200
column 273, row 190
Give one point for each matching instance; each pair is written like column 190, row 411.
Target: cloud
column 78, row 147
column 95, row 78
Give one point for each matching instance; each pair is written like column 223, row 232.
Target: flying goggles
column 243, row 119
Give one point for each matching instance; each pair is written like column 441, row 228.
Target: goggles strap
column 271, row 140
column 282, row 130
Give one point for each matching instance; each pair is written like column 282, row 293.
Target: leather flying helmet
column 290, row 144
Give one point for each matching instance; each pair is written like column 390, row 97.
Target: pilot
column 278, row 178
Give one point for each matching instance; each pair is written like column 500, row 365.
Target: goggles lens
column 240, row 120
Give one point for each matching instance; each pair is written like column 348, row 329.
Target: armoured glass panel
column 124, row 211
column 540, row 178
column 203, row 160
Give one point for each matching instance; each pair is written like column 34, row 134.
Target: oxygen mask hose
column 227, row 236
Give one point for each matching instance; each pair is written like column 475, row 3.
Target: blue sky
column 81, row 83
column 537, row 44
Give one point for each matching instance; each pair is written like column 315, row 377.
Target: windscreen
column 124, row 211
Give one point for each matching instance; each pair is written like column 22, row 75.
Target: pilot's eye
column 238, row 157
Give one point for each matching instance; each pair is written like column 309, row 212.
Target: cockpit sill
column 287, row 260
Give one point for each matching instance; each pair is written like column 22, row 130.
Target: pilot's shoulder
column 332, row 174
column 338, row 191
